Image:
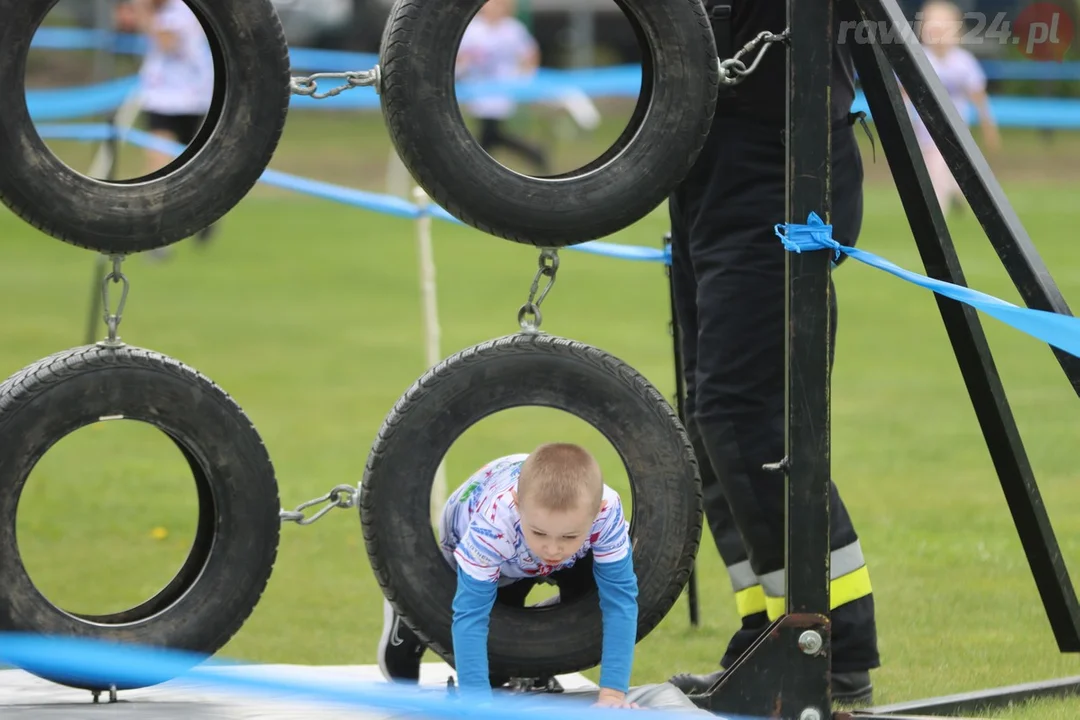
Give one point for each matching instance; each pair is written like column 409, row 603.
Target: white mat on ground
column 24, row 697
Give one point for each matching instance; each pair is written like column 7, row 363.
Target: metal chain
column 529, row 317
column 112, row 320
column 354, row 78
column 733, row 70
column 342, row 496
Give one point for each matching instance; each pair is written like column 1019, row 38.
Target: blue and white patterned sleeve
column 484, row 547
column 610, row 538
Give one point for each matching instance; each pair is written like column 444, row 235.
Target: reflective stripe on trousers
column 850, row 581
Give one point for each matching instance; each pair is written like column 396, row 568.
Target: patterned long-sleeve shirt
column 481, row 534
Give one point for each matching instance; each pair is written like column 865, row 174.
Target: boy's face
column 555, row 535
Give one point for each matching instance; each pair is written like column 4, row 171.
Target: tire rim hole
column 558, row 134
column 108, row 519
column 180, row 105
column 520, row 430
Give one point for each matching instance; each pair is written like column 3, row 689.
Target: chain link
column 112, row 320
column 529, row 317
column 342, row 496
column 733, row 70
column 354, row 78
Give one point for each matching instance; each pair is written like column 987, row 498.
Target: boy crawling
column 516, row 520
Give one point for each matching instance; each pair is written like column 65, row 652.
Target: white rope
column 430, row 306
column 581, row 108
column 397, row 176
column 124, row 120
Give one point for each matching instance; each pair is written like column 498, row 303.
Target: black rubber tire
column 222, row 164
column 515, row 371
column 680, row 77
column 236, row 540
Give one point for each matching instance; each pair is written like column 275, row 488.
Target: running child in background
column 176, row 80
column 518, row 519
column 964, row 80
column 496, row 46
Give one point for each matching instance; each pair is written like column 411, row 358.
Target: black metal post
column 980, row 187
column 980, row 701
column 94, row 316
column 786, row 672
column 809, row 167
column 969, row 343
column 680, row 394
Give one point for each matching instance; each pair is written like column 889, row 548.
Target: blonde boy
column 518, row 519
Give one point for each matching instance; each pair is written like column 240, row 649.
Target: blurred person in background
column 497, row 47
column 176, row 80
column 963, row 78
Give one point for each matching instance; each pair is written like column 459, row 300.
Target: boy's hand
column 614, row 699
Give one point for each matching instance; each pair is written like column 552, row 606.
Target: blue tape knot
column 815, row 235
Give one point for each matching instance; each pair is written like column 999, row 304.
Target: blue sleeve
column 472, row 615
column 618, row 588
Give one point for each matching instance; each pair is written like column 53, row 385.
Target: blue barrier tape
column 1030, row 70
column 625, row 252
column 60, row 38
column 66, row 38
column 387, row 204
column 54, row 38
column 546, row 86
column 96, row 661
column 1008, row 111
column 1055, row 329
column 330, row 60
column 82, row 101
column 86, row 133
column 79, row 102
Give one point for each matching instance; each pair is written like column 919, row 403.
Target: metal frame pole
column 809, row 167
column 680, row 394
column 786, row 673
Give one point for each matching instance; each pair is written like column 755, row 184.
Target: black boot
column 852, row 688
column 692, row 684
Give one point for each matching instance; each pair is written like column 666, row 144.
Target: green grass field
column 308, row 313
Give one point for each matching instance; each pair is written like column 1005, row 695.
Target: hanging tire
column 215, row 172
column 680, row 77
column 516, row 371
column 236, row 539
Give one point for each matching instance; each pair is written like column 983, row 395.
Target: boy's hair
column 559, row 476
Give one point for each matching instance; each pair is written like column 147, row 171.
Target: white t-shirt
column 961, row 74
column 180, row 82
column 495, row 51
column 481, row 528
